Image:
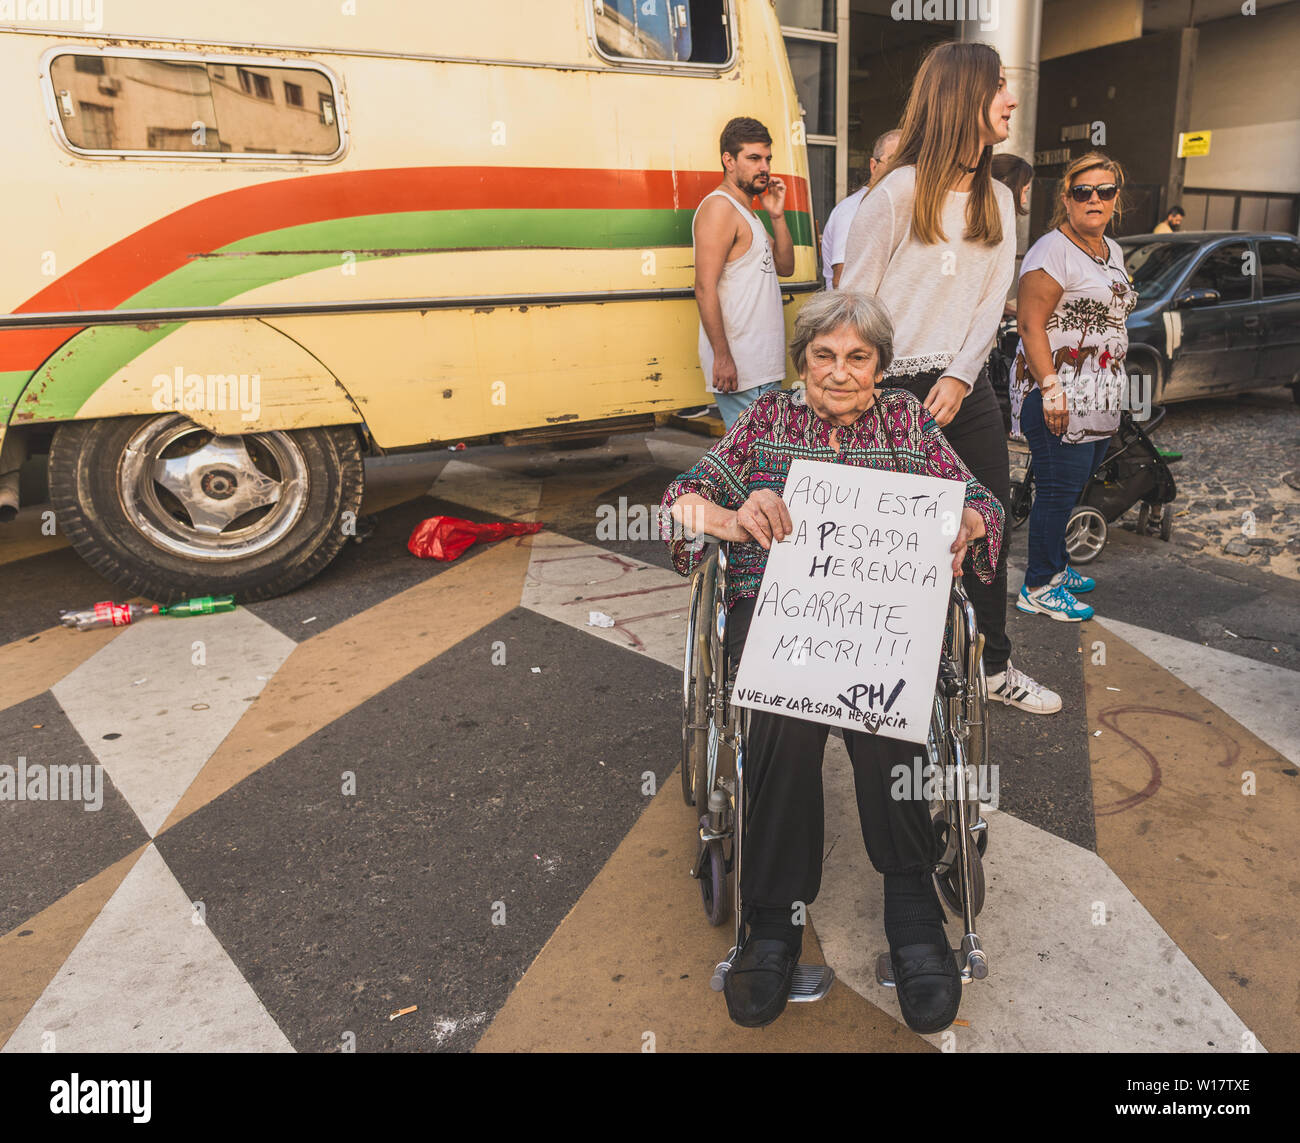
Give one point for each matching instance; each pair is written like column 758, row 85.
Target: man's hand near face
column 773, row 201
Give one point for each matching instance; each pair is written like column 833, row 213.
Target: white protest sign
column 849, row 620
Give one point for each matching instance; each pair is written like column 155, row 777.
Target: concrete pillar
column 1182, row 117
column 1016, row 33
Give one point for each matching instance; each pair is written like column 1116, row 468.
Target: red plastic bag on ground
column 446, row 537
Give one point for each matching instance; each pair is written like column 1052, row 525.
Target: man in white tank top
column 742, row 325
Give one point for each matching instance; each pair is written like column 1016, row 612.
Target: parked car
column 1218, row 312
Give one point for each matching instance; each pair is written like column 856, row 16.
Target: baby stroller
column 1133, row 469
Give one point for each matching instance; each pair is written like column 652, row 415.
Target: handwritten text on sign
column 849, row 620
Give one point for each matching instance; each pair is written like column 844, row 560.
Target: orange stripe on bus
column 107, row 279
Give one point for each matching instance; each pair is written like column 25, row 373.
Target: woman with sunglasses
column 935, row 240
column 1068, row 379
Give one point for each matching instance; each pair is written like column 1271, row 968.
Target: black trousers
column 785, row 813
column 979, row 437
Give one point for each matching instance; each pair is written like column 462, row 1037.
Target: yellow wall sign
column 1193, row 143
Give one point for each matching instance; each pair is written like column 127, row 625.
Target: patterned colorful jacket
column 779, row 428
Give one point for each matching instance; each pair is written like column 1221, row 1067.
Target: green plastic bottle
column 201, row 605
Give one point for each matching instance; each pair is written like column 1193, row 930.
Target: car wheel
column 167, row 509
column 1145, row 364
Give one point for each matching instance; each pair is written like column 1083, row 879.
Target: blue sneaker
column 1053, row 600
column 1072, row 581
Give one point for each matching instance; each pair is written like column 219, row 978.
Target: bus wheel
column 168, row 509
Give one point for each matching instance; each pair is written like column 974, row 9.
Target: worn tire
column 85, row 467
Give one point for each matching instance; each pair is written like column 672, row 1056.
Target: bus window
column 671, row 31
column 143, row 105
column 274, row 109
column 113, row 103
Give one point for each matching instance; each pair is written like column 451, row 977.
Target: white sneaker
column 1017, row 689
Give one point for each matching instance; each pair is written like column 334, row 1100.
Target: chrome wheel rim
column 202, row 496
column 1085, row 534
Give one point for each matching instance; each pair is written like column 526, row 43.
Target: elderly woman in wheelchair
column 841, row 348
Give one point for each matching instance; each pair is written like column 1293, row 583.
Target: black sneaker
column 928, row 983
column 758, row 984
column 698, row 411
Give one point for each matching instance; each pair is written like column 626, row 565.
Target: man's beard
column 756, row 186
column 1175, row 225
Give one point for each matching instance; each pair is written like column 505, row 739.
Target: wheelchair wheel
column 695, row 688
column 1085, row 535
column 948, row 881
column 713, row 884
column 1021, row 500
column 693, row 711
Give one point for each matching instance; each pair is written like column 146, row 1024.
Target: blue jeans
column 731, row 405
column 1060, row 472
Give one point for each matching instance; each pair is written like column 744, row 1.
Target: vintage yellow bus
column 249, row 244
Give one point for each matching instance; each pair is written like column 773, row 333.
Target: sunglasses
column 1105, row 192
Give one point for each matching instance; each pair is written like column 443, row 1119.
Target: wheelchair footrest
column 976, row 967
column 811, row 982
column 884, row 970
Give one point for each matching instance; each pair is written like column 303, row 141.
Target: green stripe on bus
column 84, row 363
column 11, row 386
column 419, row 232
column 95, row 354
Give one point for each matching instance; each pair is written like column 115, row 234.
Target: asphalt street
column 437, row 785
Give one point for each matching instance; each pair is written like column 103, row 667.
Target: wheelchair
column 713, row 768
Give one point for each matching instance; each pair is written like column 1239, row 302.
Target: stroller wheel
column 1085, row 535
column 1021, row 501
column 1167, row 522
column 1144, row 518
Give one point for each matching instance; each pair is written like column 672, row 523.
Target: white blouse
column 946, row 300
column 1087, row 334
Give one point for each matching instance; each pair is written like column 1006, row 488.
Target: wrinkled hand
column 725, row 377
column 972, row 528
column 944, row 399
column 764, row 518
column 773, row 199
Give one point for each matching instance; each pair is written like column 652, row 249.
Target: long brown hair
column 1014, row 173
column 950, row 97
column 1077, row 167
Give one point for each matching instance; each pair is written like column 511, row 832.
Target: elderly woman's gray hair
column 830, row 309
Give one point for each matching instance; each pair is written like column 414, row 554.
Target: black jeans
column 978, row 436
column 785, row 814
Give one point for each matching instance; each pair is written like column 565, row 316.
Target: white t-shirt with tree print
column 1087, row 335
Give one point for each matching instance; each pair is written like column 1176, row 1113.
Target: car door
column 1279, row 271
column 1213, row 348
